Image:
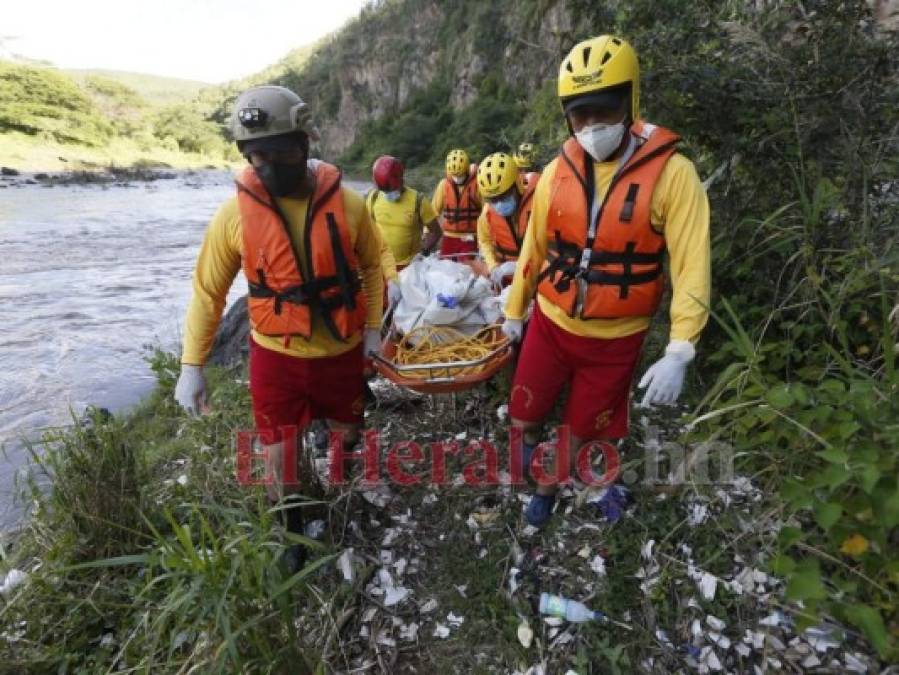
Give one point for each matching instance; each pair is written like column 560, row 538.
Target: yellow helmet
column 457, row 163
column 525, row 156
column 597, row 68
column 496, row 174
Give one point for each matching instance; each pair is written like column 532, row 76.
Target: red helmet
column 387, row 173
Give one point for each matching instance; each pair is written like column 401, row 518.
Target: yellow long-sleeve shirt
column 485, row 241
column 679, row 208
column 388, row 262
column 438, row 201
column 219, row 262
column 399, row 224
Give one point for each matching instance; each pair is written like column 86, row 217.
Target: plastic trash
column 450, row 302
column 315, row 529
column 570, row 610
column 612, row 502
column 12, row 580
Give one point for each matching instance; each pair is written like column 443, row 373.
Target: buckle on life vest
column 630, row 201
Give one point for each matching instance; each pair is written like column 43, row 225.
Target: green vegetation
column 98, row 120
column 42, row 101
column 154, row 89
column 790, row 111
column 181, row 570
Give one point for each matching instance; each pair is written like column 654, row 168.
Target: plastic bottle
column 570, row 610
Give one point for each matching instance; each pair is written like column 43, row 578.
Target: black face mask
column 281, row 179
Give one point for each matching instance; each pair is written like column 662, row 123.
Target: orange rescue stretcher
column 443, row 377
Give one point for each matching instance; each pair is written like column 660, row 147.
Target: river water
column 90, row 276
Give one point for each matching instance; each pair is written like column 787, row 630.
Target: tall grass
column 145, row 555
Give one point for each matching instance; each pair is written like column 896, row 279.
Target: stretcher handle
column 399, row 369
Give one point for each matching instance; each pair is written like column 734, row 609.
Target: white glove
column 190, row 391
column 394, row 292
column 664, row 379
column 502, row 270
column 371, row 342
column 512, row 329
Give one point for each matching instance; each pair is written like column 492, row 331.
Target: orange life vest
column 281, row 298
column 613, row 269
column 507, row 234
column 461, row 206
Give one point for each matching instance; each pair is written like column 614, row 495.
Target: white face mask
column 601, row 140
column 393, row 195
column 458, row 180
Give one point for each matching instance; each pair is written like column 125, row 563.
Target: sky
column 208, row 40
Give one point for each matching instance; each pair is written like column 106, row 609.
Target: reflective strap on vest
column 344, row 273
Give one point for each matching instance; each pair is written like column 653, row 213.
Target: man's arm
column 485, row 241
column 437, row 199
column 217, row 264
column 388, row 262
column 368, row 249
column 685, row 213
column 428, row 217
column 533, row 251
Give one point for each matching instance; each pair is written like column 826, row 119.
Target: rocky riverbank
column 110, row 175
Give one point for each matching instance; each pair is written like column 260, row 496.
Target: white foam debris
column 409, row 632
column 454, row 620
column 709, row 659
column 513, row 579
column 715, row 623
column 525, row 634
column 394, row 595
column 772, row 620
column 707, row 584
column 441, row 631
column 598, row 565
column 345, row 565
column 13, row 579
column 698, row 514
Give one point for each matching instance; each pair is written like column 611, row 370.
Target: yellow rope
column 442, row 344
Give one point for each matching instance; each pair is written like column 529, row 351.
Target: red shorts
column 456, row 245
column 291, row 391
column 599, row 372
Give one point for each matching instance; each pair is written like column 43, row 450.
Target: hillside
column 50, row 120
column 154, row 89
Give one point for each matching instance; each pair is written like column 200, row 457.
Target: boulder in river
column 231, row 345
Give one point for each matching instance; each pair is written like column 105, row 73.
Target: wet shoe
column 540, row 508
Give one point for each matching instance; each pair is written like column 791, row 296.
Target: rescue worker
column 605, row 211
column 401, row 215
column 504, row 218
column 457, row 202
column 311, row 258
column 528, row 171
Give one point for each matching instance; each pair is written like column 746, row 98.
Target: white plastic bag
column 444, row 293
